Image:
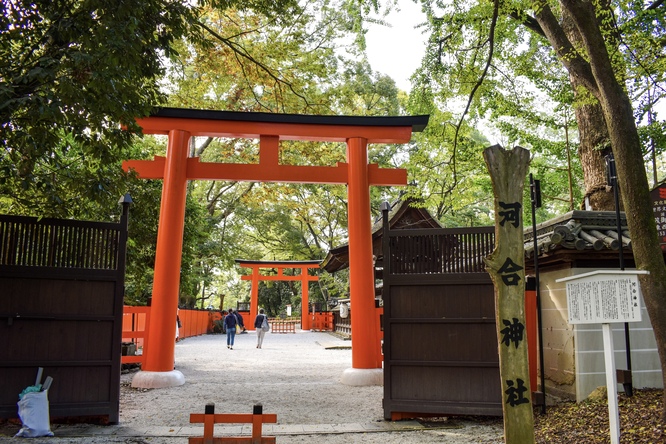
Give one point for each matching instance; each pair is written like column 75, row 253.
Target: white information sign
column 604, row 296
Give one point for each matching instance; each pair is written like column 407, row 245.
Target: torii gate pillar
column 159, row 371
column 366, row 369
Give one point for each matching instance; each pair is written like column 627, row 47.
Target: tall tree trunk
column 633, row 182
column 594, row 146
column 593, row 136
column 632, row 176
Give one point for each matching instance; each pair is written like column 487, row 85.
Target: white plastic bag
column 33, row 409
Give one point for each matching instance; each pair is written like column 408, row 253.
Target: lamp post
column 535, row 197
column 624, row 376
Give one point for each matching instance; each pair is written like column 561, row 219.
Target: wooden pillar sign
column 506, row 266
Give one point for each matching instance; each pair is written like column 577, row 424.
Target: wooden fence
column 323, row 321
column 137, row 319
column 62, row 296
column 440, row 341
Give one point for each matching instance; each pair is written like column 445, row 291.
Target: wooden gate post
column 506, row 266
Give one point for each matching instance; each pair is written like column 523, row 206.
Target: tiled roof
column 579, row 230
column 401, row 215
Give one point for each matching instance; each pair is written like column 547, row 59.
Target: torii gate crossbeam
column 176, row 169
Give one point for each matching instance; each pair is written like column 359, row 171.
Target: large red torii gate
column 304, row 277
column 176, row 169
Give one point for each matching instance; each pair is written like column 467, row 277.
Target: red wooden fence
column 136, row 320
column 135, row 327
column 322, row 321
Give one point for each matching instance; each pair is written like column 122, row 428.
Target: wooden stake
column 506, row 266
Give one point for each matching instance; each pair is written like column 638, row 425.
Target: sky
column 397, row 51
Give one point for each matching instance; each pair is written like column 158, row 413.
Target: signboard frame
column 605, row 306
column 603, row 296
column 658, row 196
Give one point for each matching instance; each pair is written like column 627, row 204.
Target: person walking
column 261, row 326
column 239, row 319
column 178, row 325
column 220, row 323
column 230, row 324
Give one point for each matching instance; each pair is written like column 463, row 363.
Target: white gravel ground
column 296, row 376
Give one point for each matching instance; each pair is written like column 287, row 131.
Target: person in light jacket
column 258, row 325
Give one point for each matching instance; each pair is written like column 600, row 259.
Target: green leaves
column 72, row 72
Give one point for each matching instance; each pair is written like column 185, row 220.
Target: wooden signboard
column 605, row 297
column 658, row 196
column 506, row 266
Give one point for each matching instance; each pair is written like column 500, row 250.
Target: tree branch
column 656, row 4
column 241, row 52
column 529, row 22
column 477, row 85
column 583, row 14
column 566, row 53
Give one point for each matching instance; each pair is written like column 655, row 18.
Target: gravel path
column 295, row 376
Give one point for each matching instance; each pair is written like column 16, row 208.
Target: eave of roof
column 418, row 123
column 337, row 258
column 579, row 230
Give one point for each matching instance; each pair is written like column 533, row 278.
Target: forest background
column 72, row 72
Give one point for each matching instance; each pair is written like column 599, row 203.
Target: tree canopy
column 74, row 75
column 481, row 53
column 71, row 72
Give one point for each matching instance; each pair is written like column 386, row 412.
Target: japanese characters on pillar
column 658, row 196
column 511, row 275
column 505, row 265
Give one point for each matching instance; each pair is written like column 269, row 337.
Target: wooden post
column 257, row 423
column 254, row 294
column 209, row 423
column 159, row 345
column 366, row 347
column 306, row 323
column 210, row 418
column 506, row 266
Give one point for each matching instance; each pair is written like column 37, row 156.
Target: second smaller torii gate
column 256, row 276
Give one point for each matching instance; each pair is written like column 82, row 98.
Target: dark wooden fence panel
column 451, row 250
column 61, row 308
column 29, row 242
column 440, row 340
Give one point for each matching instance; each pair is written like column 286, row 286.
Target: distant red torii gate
column 304, row 277
column 176, row 169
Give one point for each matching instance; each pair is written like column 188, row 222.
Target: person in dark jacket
column 220, row 322
column 239, row 319
column 230, row 323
